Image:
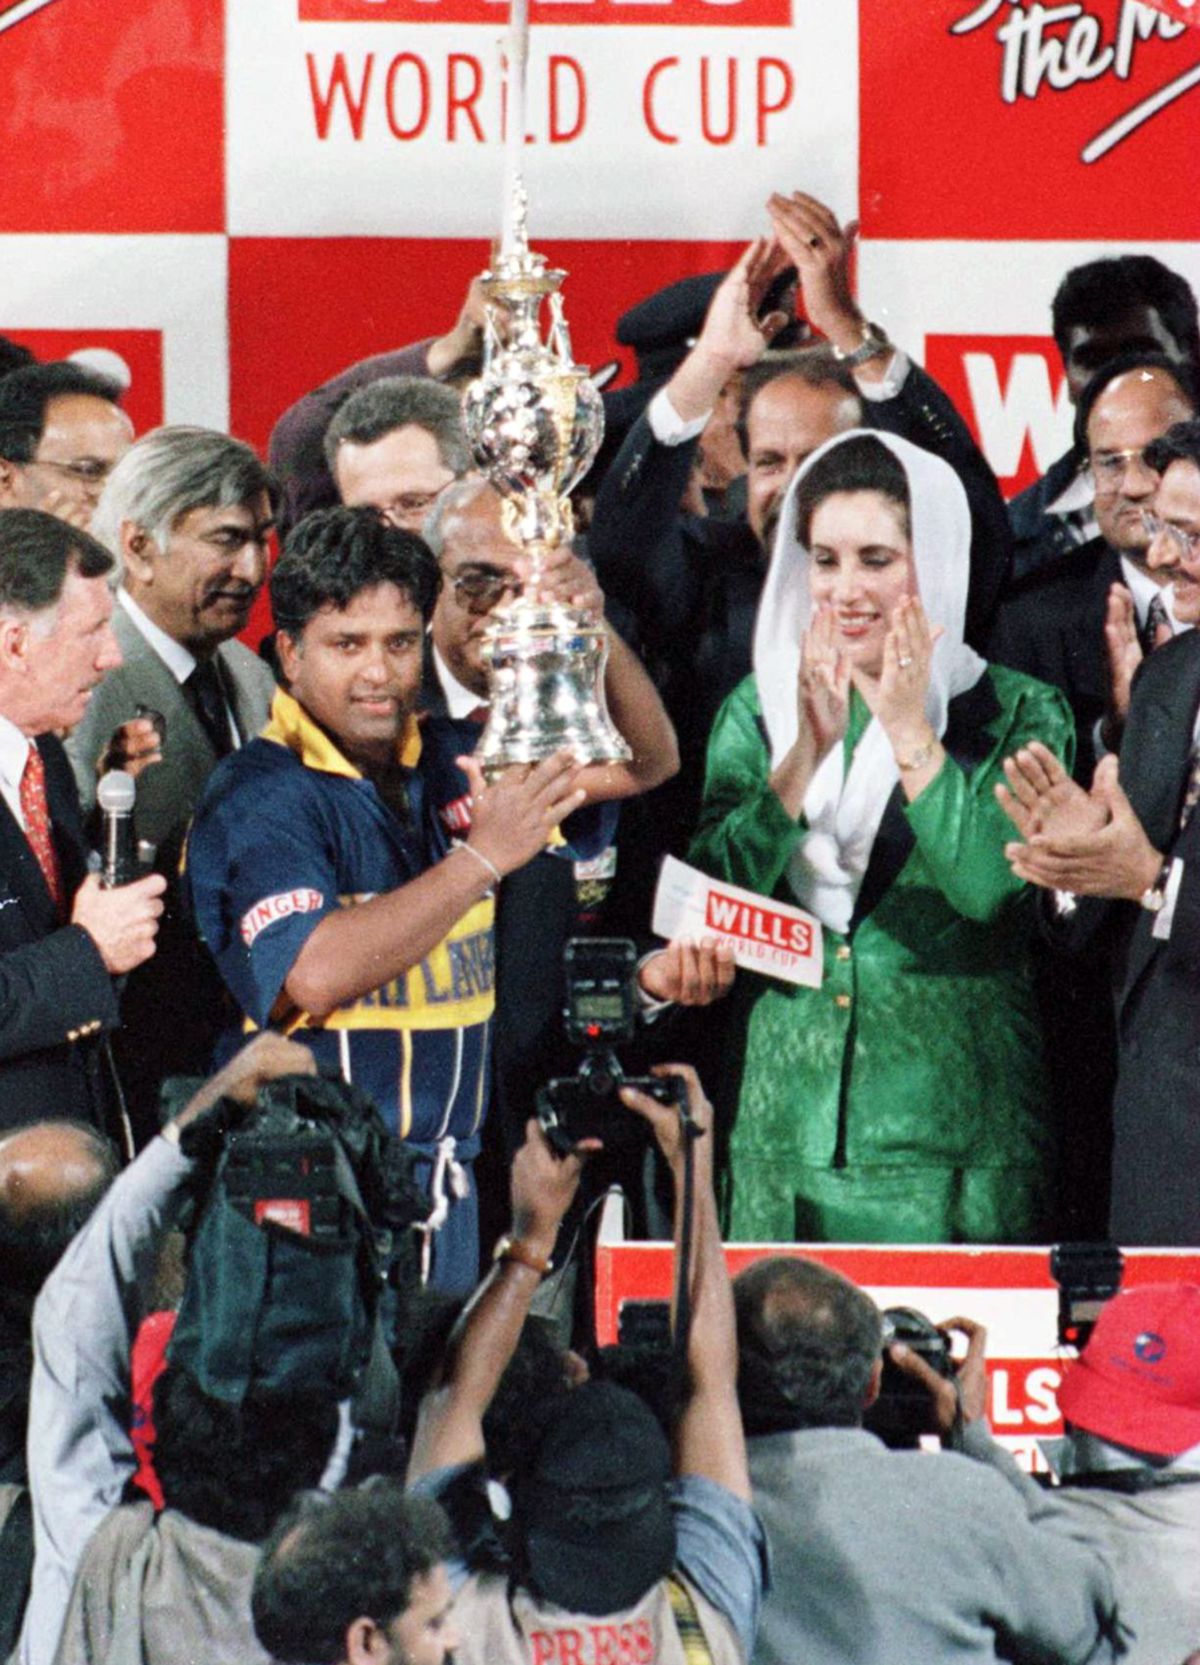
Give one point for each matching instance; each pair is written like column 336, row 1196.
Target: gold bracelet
column 920, row 757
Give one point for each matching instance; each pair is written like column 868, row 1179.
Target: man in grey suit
column 188, row 513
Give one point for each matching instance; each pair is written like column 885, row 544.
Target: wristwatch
column 874, row 344
column 512, row 1248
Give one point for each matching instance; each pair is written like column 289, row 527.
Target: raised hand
column 820, row 249
column 1041, row 798
column 1124, row 657
column 513, row 818
column 898, row 698
column 568, row 580
column 733, row 332
column 133, row 747
column 1113, row 858
column 823, row 688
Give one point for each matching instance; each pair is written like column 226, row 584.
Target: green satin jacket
column 904, row 1100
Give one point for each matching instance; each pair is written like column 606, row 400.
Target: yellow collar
column 291, row 726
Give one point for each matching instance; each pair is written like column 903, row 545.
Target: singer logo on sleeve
column 273, row 908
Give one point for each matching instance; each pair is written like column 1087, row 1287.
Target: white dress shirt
column 14, row 752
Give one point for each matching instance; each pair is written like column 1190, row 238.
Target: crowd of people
column 244, row 1422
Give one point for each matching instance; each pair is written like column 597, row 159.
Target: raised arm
column 80, row 1453
column 450, row 1421
column 708, row 1438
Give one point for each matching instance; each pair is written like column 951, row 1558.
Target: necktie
column 35, row 812
column 207, row 699
column 479, row 715
column 1156, row 620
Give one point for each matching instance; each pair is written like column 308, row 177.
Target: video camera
column 600, row 1014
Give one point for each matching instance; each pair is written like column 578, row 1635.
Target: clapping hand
column 824, row 685
column 898, row 698
column 1124, row 655
column 1091, row 844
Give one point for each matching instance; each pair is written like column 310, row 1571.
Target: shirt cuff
column 894, row 378
column 666, row 424
column 1164, row 918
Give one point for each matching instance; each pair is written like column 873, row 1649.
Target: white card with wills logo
column 772, row 937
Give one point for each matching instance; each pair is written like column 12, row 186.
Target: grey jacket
column 886, row 1558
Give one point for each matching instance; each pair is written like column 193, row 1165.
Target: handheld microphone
column 118, row 852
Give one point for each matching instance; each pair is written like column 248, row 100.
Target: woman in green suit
column 853, row 773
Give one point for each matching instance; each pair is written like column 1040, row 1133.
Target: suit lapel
column 1158, row 737
column 1155, row 754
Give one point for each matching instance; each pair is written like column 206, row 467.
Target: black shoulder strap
column 16, row 1563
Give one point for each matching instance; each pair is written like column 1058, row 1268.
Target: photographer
column 615, row 1545
column 1129, row 1466
column 180, row 1581
column 889, row 1555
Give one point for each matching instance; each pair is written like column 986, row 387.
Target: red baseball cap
column 1137, row 1382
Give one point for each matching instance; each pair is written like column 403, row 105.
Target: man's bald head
column 52, row 1175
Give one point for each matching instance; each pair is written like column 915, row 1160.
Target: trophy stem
column 516, row 62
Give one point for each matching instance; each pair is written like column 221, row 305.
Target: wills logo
column 1052, row 49
column 13, row 12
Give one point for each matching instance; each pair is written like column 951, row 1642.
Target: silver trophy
column 535, row 422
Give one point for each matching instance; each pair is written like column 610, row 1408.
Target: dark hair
column 332, row 1560
column 37, row 551
column 814, row 366
column 1100, row 291
column 394, row 402
column 235, row 1468
column 32, row 1242
column 1180, row 443
column 808, row 1340
column 861, row 463
column 13, row 356
column 1182, row 375
column 25, row 394
column 334, row 554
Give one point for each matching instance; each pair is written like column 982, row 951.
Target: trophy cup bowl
column 535, row 422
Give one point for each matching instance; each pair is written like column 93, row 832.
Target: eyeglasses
column 409, row 506
column 88, row 472
column 1110, row 467
column 479, row 591
column 1187, row 543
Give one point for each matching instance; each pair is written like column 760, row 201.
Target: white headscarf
column 843, row 811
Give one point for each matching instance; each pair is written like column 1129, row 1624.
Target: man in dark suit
column 1130, row 851
column 1084, row 622
column 1124, row 303
column 62, row 938
column 189, row 511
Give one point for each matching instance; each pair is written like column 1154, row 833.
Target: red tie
column 36, row 814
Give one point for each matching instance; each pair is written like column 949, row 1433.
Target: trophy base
column 546, row 668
